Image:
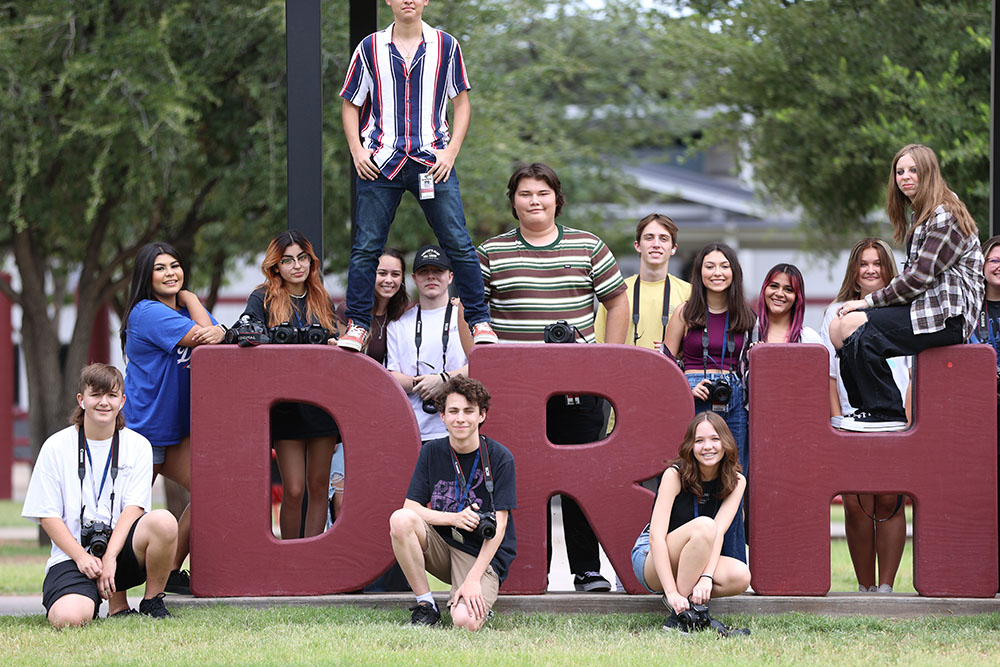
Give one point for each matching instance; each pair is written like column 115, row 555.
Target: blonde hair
column 932, row 191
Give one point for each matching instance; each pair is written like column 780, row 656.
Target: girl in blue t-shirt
column 305, row 437
column 162, row 322
column 679, row 553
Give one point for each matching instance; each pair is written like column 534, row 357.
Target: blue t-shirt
column 158, row 373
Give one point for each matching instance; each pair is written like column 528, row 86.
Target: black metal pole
column 305, row 120
column 364, row 21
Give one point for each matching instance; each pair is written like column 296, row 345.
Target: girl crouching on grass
column 679, row 553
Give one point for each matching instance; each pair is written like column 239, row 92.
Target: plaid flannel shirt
column 942, row 278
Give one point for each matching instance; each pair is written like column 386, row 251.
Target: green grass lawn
column 351, row 635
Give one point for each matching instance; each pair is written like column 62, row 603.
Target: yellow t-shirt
column 650, row 310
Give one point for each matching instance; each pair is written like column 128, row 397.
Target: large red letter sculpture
column 653, row 405
column 947, row 463
column 233, row 551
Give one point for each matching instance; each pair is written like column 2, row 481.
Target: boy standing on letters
column 442, row 527
column 395, row 118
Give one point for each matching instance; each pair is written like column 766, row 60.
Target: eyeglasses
column 993, row 261
column 302, row 259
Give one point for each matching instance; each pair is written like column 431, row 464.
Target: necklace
column 298, row 296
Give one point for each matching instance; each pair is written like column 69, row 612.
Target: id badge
column 426, row 186
column 720, row 407
column 457, row 536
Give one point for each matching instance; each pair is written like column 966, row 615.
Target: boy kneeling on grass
column 90, row 491
column 455, row 522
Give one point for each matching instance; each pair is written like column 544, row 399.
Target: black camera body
column 720, row 391
column 247, row 332
column 289, row 334
column 487, row 528
column 696, row 617
column 559, row 332
column 429, row 407
column 94, row 536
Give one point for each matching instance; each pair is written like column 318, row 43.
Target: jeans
column 736, row 419
column 887, row 333
column 377, row 204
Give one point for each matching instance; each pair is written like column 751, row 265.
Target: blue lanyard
column 460, row 479
column 104, row 477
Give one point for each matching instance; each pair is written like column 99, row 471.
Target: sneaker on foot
column 866, row 422
column 483, row 333
column 884, row 588
column 591, row 582
column 864, row 589
column 355, row 339
column 154, row 607
column 424, row 613
column 179, row 582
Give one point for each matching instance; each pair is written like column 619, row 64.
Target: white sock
column 427, row 597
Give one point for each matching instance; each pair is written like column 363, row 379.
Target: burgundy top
column 377, row 340
column 691, row 349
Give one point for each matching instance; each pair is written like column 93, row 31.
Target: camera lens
column 429, row 407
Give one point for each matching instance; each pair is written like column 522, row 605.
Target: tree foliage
column 823, row 93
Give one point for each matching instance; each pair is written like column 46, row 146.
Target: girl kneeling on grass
column 680, row 552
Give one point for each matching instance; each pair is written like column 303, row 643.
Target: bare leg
column 155, row 543
column 890, row 538
column 842, row 327
column 291, row 455
column 71, row 610
column 689, row 547
column 409, row 540
column 177, row 466
column 319, row 451
column 860, row 537
column 118, row 601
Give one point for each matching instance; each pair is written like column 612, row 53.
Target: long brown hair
column 688, row 466
column 932, row 191
column 101, row 378
column 277, row 300
column 741, row 316
column 849, row 288
column 399, row 301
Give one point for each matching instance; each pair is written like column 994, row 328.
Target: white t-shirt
column 900, row 366
column 54, row 488
column 401, row 353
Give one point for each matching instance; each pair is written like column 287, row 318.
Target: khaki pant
column 452, row 565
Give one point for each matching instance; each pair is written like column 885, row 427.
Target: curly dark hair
column 473, row 391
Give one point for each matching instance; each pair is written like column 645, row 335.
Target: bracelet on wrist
column 709, row 577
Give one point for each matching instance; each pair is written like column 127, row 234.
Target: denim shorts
column 159, row 454
column 640, row 552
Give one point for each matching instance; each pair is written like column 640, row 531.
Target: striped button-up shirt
column 943, row 276
column 403, row 108
column 529, row 287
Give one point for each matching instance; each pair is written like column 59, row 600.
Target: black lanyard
column 418, row 338
column 635, row 309
column 460, row 483
column 83, row 455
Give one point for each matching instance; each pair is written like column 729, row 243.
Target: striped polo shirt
column 529, row 287
column 403, row 109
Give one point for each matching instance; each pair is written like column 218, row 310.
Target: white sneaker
column 866, row 422
column 884, row 588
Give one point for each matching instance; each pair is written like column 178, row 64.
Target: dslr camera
column 247, row 332
column 428, row 406
column 94, row 537
column 487, row 527
column 288, row 334
column 695, row 617
column 720, row 391
column 559, row 332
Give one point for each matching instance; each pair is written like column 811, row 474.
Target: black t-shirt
column 435, row 485
column 255, row 308
column 687, row 506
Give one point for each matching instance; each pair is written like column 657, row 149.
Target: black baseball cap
column 431, row 255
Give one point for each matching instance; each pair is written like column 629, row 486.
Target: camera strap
column 483, row 454
column 83, row 455
column 418, row 337
column 727, row 343
column 635, row 309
